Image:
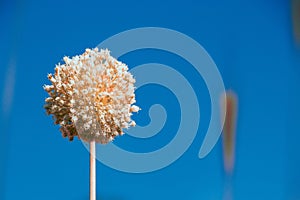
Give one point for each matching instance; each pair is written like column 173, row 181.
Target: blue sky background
column 250, row 41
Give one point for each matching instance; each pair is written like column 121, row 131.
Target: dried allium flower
column 91, row 96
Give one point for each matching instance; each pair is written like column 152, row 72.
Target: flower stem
column 92, row 171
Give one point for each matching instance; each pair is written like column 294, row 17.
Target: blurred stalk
column 229, row 104
column 296, row 20
column 15, row 17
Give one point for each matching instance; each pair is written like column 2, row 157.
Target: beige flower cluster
column 91, row 96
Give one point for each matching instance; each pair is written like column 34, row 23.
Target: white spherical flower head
column 91, row 96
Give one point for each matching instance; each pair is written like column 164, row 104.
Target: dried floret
column 91, row 96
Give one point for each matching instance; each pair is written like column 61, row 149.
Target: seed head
column 91, row 96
